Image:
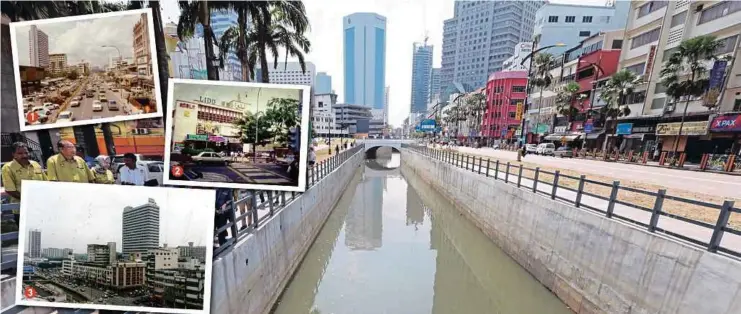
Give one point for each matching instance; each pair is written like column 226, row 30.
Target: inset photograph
column 120, row 248
column 237, row 135
column 85, row 69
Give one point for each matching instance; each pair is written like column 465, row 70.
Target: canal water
column 394, row 245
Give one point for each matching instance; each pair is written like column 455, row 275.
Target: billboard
column 730, row 123
column 427, row 125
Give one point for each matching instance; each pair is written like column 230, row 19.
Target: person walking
column 221, row 215
column 102, row 170
column 66, row 166
column 312, row 157
column 19, row 169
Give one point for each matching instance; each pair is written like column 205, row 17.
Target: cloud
column 82, row 39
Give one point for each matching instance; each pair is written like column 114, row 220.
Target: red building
column 505, row 92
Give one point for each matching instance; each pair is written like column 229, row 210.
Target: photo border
column 17, row 76
column 22, row 233
column 305, row 107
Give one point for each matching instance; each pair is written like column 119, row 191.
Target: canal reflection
column 394, row 245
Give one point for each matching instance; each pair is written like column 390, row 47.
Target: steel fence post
column 488, row 162
column 519, row 176
column 506, row 174
column 579, row 191
column 656, row 212
column 556, row 174
column 720, row 225
column 535, row 179
column 613, row 198
column 496, row 170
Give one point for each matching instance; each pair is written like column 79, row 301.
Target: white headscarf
column 102, row 163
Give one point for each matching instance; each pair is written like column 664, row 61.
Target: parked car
column 531, row 148
column 545, row 149
column 564, row 151
column 210, row 157
column 112, row 105
column 74, row 104
column 65, row 116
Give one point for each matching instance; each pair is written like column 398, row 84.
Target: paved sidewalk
column 730, row 241
column 700, row 182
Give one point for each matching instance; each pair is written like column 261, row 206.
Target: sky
column 408, row 21
column 82, row 39
column 249, row 95
column 73, row 215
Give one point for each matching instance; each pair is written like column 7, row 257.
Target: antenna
column 427, row 36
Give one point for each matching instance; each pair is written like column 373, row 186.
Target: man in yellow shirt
column 21, row 168
column 67, row 166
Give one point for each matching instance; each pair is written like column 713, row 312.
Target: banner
column 730, row 123
column 518, row 116
column 624, row 128
column 689, row 128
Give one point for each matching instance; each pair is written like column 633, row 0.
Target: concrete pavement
column 701, row 182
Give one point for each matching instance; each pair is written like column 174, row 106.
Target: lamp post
column 120, row 58
column 257, row 125
column 527, row 87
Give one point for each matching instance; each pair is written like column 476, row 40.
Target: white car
column 97, row 106
column 74, row 104
column 210, row 157
column 531, row 148
column 545, row 149
column 65, row 116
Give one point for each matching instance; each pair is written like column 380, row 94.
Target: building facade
column 201, row 122
column 221, row 20
column 505, row 101
column 34, row 243
column 364, row 59
column 141, row 227
column 38, row 47
column 522, row 50
column 323, row 83
column 56, row 253
column 479, row 37
column 354, row 119
column 191, row 251
column 290, row 73
column 324, row 117
column 142, row 47
column 57, row 64
column 421, row 72
column 102, row 254
column 434, row 84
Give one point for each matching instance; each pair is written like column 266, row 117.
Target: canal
column 394, row 245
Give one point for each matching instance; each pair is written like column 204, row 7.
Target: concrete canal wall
column 592, row 263
column 250, row 277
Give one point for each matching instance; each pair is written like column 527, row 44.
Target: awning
column 562, row 137
column 595, row 135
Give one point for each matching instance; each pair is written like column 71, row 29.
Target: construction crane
column 427, row 36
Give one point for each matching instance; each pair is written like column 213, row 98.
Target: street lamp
column 120, row 58
column 257, row 125
column 527, row 88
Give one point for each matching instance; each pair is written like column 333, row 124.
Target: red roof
column 507, row 74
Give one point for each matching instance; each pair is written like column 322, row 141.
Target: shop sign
column 196, row 137
column 560, row 129
column 589, row 126
column 518, row 115
column 726, row 124
column 214, row 138
column 624, row 128
column 689, row 128
column 643, row 129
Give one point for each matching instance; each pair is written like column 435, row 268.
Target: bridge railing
column 249, row 209
column 602, row 199
column 9, row 239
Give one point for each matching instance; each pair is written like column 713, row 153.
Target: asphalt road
column 702, row 182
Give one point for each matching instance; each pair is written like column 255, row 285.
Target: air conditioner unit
column 669, row 108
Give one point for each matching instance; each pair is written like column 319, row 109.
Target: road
column 716, row 184
column 244, row 172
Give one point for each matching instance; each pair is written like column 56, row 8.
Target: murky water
column 390, row 248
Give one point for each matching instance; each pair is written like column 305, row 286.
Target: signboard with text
column 196, row 137
column 730, row 123
column 427, row 125
column 518, row 115
column 689, row 128
column 624, row 128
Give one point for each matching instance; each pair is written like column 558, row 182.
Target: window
column 518, row 89
column 570, row 19
column 726, row 45
column 660, row 88
column 553, row 19
column 651, row 7
column 586, row 19
column 737, row 105
column 513, row 102
column 668, row 53
column 719, row 10
column 679, row 19
column 511, row 115
column 645, row 38
column 583, row 33
column 604, row 19
column 637, row 69
column 658, row 103
column 617, row 44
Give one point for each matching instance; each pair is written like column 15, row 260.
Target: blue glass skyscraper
column 421, row 71
column 365, row 59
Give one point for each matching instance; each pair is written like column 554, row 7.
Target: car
column 65, row 116
column 90, row 94
column 210, row 157
column 545, row 149
column 564, row 151
column 97, row 106
column 112, row 106
column 74, row 103
column 531, row 148
column 103, row 100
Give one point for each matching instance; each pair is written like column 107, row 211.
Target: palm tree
column 541, row 76
column 477, row 107
column 193, row 13
column 616, row 91
column 688, row 62
column 565, row 100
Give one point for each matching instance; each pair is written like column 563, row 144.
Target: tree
column 616, row 91
column 254, row 129
column 541, row 76
column 193, row 13
column 684, row 74
column 476, row 105
column 565, row 100
column 283, row 115
column 73, row 75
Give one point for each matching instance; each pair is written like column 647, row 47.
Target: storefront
column 726, row 134
column 693, row 139
column 636, row 137
column 565, row 139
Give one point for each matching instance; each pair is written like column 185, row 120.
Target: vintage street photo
column 237, row 135
column 85, row 69
column 122, row 248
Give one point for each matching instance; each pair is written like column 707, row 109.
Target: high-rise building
column 56, row 253
column 421, row 72
column 386, row 105
column 142, row 47
column 221, row 20
column 479, row 37
column 102, row 254
column 57, row 63
column 191, row 251
column 434, row 84
column 522, row 50
column 364, row 57
column 323, row 84
column 141, row 228
column 34, row 243
column 38, row 47
column 569, row 24
column 290, row 73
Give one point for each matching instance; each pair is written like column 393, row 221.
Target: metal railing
column 9, row 240
column 602, row 203
column 273, row 203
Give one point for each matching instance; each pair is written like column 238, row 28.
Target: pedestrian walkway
column 260, row 174
column 730, row 241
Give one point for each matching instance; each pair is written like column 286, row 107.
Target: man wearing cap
column 67, row 166
column 21, row 168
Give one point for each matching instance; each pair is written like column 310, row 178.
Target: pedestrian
column 337, row 148
column 131, row 173
column 221, row 215
column 90, row 161
column 346, row 145
column 102, row 170
column 294, row 171
column 243, row 204
column 66, row 166
column 312, row 156
column 19, row 169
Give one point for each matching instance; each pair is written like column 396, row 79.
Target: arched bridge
column 373, row 143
